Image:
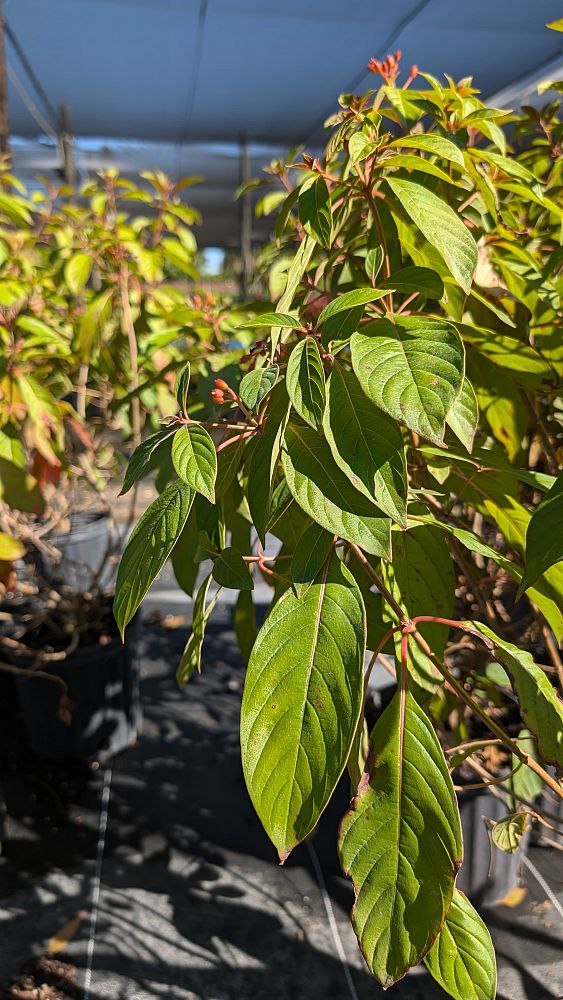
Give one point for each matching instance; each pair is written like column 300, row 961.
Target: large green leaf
column 301, row 704
column 366, row 444
column 431, row 143
column 195, row 459
column 421, row 578
column 305, row 381
column 264, row 457
column 441, row 226
column 544, row 537
column 327, row 496
column 401, row 842
column 462, row 959
column 412, row 369
column 315, row 211
column 143, row 457
column 540, row 707
column 463, row 417
column 148, row 548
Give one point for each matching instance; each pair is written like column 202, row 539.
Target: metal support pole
column 67, row 151
column 4, row 123
column 245, row 222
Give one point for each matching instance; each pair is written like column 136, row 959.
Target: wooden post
column 245, row 222
column 67, row 150
column 4, row 122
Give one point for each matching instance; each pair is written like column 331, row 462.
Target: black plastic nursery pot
column 83, row 549
column 104, row 716
column 487, row 874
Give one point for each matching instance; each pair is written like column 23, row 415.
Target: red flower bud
column 221, row 384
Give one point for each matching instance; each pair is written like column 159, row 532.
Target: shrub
column 398, row 432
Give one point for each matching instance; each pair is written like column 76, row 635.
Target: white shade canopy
column 190, row 77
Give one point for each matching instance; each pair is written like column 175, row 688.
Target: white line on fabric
column 96, row 885
column 549, row 892
column 332, row 920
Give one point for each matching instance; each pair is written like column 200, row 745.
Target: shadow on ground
column 193, row 903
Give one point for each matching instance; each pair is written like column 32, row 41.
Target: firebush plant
column 387, row 457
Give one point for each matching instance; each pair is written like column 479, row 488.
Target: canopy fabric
column 182, row 72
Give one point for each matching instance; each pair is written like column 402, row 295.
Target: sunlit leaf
column 301, row 704
column 401, row 842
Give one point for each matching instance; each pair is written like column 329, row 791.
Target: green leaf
column 195, row 459
column 269, row 319
column 463, row 417
column 231, row 571
column 301, row 704
column 462, row 959
column 77, row 270
column 430, row 143
column 359, row 146
column 191, row 656
column 544, row 537
column 421, row 578
column 295, row 274
column 305, row 381
column 539, row 704
column 141, row 460
column 374, row 261
column 400, row 843
column 264, row 459
column 182, row 387
column 11, row 446
column 412, row 369
column 18, row 489
column 309, row 557
column 423, row 280
column 488, row 486
column 366, row 444
column 315, row 212
column 525, row 783
column 92, row 322
column 508, row 832
column 228, row 464
column 256, row 385
column 183, row 555
column 244, row 624
column 10, row 548
column 148, row 548
column 416, row 165
column 441, row 226
column 357, row 297
column 327, row 496
column 338, row 329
